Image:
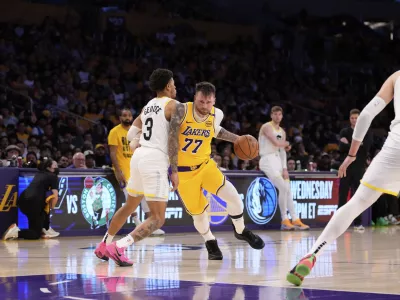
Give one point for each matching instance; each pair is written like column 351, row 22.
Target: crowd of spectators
column 62, row 86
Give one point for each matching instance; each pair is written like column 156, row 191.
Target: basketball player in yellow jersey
column 121, row 154
column 197, row 171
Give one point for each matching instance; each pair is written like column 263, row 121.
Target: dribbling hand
column 174, row 180
column 345, row 165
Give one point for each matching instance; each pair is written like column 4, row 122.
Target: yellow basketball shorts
column 192, row 183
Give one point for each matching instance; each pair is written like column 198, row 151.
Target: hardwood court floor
column 176, row 267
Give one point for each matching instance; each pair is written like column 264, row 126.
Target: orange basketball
column 246, row 147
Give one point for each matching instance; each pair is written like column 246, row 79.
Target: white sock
column 125, row 242
column 208, row 236
column 108, row 238
column 202, row 225
column 289, row 200
column 344, row 216
column 238, row 223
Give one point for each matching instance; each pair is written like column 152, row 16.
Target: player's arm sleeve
column 219, row 116
column 374, row 107
column 136, row 129
column 282, row 154
column 133, row 133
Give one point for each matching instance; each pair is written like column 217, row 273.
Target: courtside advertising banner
column 88, row 201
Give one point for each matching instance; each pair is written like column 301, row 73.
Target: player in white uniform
column 382, row 176
column 273, row 146
column 158, row 128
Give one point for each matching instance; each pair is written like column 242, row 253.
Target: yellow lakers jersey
column 117, row 137
column 195, row 138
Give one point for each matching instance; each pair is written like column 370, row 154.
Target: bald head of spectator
column 79, row 161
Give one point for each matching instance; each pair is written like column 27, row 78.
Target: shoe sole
column 105, row 258
column 7, row 231
column 301, row 229
column 287, row 229
column 49, row 236
column 302, row 270
column 120, row 263
column 215, row 257
column 293, row 279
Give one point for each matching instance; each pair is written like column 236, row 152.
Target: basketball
column 246, row 147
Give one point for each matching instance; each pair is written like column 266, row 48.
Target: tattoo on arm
column 145, row 229
column 225, row 135
column 173, row 144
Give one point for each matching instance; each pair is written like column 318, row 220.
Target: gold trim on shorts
column 378, row 189
column 146, row 195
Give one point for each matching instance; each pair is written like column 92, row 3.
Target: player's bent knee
column 157, row 208
column 159, row 219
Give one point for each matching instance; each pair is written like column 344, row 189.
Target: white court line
column 59, row 282
column 76, row 298
column 45, row 290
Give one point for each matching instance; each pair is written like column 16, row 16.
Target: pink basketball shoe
column 118, row 255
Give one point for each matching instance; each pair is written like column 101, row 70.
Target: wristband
column 351, row 155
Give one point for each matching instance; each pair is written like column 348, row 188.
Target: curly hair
column 159, row 79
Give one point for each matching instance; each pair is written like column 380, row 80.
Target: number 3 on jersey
column 149, row 128
column 190, row 142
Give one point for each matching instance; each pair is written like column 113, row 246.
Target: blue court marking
column 80, row 286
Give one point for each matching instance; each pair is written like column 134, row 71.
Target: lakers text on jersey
column 195, row 138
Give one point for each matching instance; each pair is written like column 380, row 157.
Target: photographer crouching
column 35, row 203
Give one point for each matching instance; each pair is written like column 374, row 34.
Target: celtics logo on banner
column 98, row 201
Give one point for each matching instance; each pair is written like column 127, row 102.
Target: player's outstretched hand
column 345, row 165
column 174, row 180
